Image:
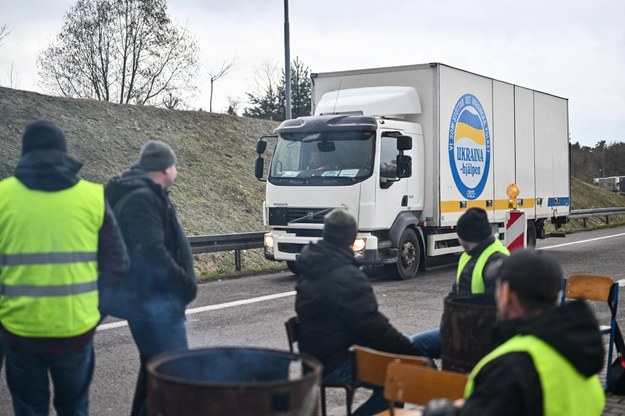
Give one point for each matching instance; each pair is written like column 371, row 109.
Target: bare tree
column 225, row 69
column 170, row 101
column 233, row 106
column 4, row 32
column 127, row 51
column 14, row 77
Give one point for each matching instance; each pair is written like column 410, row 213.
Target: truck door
column 392, row 192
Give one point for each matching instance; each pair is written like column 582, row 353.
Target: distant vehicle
column 414, row 147
column 611, row 183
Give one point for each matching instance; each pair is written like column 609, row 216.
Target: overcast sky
column 570, row 48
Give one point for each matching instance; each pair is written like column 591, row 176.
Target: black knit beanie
column 339, row 228
column 473, row 225
column 156, row 155
column 533, row 275
column 43, row 135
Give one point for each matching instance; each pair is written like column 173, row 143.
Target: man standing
column 336, row 307
column 481, row 250
column 548, row 356
column 162, row 280
column 56, row 233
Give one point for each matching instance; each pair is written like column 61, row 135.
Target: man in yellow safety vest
column 547, row 357
column 58, row 241
column 481, row 250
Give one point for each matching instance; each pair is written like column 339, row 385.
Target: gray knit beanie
column 156, row 155
column 339, row 228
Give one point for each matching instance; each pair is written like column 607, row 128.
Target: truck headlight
column 269, row 243
column 359, row 246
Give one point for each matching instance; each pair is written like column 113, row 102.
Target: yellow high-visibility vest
column 48, row 259
column 565, row 390
column 477, row 278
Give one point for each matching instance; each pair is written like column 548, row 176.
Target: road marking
column 582, row 241
column 120, row 324
column 201, row 309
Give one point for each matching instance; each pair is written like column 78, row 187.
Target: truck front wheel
column 293, row 267
column 408, row 256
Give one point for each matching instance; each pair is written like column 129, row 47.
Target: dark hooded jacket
column 162, row 280
column 509, row 385
column 52, row 171
column 336, row 308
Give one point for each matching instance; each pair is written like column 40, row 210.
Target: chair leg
column 608, row 372
column 322, row 396
column 349, row 400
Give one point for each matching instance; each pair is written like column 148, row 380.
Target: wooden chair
column 408, row 383
column 292, row 334
column 370, row 365
column 599, row 289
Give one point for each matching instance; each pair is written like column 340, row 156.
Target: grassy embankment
column 215, row 192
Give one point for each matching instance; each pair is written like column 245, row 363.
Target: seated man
column 336, row 307
column 481, row 250
column 318, row 161
column 548, row 356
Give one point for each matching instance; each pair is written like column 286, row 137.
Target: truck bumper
column 284, row 246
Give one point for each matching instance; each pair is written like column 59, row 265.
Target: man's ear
column 502, row 293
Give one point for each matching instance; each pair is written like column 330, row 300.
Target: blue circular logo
column 469, row 146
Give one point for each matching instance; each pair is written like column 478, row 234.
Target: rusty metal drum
column 233, row 381
column 466, row 330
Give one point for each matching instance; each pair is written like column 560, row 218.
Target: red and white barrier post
column 516, row 225
column 516, row 228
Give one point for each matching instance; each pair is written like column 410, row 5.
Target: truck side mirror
column 404, row 166
column 261, row 146
column 259, row 169
column 404, row 143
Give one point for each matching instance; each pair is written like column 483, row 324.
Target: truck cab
column 370, row 165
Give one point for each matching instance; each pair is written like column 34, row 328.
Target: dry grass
column 216, row 191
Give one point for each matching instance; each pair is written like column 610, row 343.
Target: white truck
column 407, row 150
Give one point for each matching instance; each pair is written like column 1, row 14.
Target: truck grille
column 284, row 216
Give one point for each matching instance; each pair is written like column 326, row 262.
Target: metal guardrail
column 254, row 240
column 227, row 242
column 597, row 212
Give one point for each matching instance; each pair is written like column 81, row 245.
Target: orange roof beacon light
column 513, row 192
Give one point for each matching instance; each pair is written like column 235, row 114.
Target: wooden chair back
column 408, row 383
column 596, row 288
column 589, row 287
column 370, row 365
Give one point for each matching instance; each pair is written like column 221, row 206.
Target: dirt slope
column 216, row 191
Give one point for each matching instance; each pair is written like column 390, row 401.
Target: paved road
column 250, row 311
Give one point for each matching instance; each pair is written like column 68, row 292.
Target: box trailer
column 407, row 151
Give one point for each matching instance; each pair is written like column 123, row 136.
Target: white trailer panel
column 552, row 155
column 524, row 149
column 465, row 143
column 503, row 145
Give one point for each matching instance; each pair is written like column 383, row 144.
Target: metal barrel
column 233, row 381
column 466, row 330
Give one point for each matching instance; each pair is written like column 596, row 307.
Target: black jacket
column 336, row 308
column 162, row 280
column 509, row 385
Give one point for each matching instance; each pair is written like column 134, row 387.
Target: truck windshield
column 322, row 158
